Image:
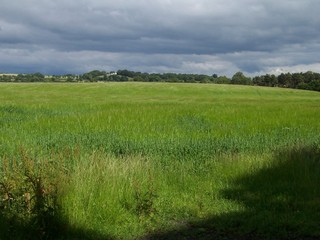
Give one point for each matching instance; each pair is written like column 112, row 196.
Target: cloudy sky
column 191, row 36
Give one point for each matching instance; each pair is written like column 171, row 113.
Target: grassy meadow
column 159, row 161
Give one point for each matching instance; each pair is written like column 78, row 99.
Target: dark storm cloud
column 168, row 35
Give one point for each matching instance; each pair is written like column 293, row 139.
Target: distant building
column 111, row 74
column 9, row 74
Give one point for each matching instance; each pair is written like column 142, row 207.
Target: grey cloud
column 240, row 34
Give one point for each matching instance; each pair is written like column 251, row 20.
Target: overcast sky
column 191, row 36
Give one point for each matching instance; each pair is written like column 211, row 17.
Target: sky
column 183, row 36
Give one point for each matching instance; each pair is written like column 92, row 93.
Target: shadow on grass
column 29, row 202
column 16, row 230
column 281, row 201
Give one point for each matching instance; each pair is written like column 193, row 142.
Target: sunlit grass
column 148, row 157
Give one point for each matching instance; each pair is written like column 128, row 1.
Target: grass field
column 160, row 160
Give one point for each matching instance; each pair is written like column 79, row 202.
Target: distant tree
column 258, row 80
column 155, row 78
column 126, row 73
column 308, row 77
column 94, row 75
column 222, row 80
column 138, row 79
column 20, row 78
column 240, row 78
column 38, row 75
column 270, row 80
column 284, row 79
column 297, row 78
column 303, row 85
column 315, row 85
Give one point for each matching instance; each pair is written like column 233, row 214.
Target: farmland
column 161, row 160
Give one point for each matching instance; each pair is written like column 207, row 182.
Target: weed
column 30, row 191
column 145, row 198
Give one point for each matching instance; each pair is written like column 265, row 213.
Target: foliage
column 308, row 80
column 241, row 79
column 145, row 198
column 35, row 77
column 30, row 193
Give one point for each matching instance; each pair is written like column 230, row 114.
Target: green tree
column 284, row 79
column 222, row 80
column 240, row 78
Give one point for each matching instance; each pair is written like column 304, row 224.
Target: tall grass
column 143, row 158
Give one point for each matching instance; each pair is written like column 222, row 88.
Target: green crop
column 165, row 160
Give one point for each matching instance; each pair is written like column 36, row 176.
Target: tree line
column 307, row 80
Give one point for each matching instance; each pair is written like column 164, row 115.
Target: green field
column 160, row 160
